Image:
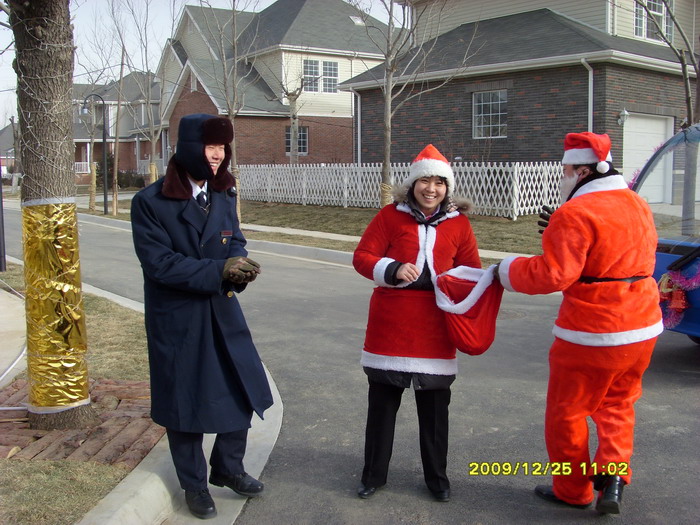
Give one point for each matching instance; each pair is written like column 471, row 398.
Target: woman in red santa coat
column 599, row 250
column 421, row 235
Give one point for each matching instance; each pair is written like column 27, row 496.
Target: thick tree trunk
column 56, row 339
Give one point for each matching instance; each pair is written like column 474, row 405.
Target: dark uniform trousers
column 432, row 407
column 190, row 463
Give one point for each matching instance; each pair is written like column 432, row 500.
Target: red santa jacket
column 406, row 330
column 605, row 231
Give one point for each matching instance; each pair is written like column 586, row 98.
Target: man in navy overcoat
column 206, row 375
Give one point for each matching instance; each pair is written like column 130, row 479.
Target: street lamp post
column 105, row 173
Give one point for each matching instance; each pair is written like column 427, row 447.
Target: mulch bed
column 124, row 437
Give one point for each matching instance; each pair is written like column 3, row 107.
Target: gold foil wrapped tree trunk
column 56, row 339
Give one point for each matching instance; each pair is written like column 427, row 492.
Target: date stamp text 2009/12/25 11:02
column 536, row 468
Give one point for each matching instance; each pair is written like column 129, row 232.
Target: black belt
column 589, row 280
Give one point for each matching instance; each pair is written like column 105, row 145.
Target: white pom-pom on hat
column 588, row 148
column 430, row 163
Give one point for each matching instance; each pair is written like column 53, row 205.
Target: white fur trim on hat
column 582, row 156
column 588, row 148
column 431, row 163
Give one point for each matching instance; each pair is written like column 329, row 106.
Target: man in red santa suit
column 598, row 249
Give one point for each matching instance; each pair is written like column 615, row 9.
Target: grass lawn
column 492, row 233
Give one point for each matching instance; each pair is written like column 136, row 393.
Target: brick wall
column 261, row 140
column 188, row 103
column 543, row 106
column 638, row 91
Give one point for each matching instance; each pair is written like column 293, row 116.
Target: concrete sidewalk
column 150, row 494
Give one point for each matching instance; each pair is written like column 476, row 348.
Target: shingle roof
column 540, row 34
column 316, row 24
column 258, row 96
column 134, row 88
column 6, row 140
column 214, row 23
column 179, row 50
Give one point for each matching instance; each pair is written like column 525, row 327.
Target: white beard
column 566, row 187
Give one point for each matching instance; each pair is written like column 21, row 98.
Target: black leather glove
column 241, row 270
column 545, row 214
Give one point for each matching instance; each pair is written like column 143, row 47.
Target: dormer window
column 648, row 21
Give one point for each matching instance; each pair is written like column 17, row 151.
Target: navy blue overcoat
column 206, row 374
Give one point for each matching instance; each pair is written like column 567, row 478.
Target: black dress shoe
column 547, row 493
column 366, row 492
column 243, row 484
column 441, row 495
column 610, row 496
column 200, row 503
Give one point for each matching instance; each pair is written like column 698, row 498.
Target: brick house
column 535, row 73
column 139, row 100
column 309, row 46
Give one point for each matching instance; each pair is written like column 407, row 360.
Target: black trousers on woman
column 432, row 407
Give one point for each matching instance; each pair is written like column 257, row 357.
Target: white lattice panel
column 498, row 189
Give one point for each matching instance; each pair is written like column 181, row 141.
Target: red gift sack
column 470, row 298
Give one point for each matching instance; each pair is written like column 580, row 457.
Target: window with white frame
column 302, row 140
column 647, row 24
column 490, row 110
column 330, row 77
column 320, row 77
column 311, row 76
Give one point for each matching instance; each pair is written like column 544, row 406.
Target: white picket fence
column 499, row 189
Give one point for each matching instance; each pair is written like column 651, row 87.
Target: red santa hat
column 588, row 148
column 430, row 163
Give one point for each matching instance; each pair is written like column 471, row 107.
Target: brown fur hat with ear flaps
column 217, row 131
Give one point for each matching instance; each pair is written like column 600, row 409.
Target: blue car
column 669, row 183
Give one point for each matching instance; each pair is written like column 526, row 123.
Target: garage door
column 643, row 135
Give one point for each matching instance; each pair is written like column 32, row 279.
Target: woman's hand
column 408, row 272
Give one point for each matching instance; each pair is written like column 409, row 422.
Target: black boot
column 610, row 495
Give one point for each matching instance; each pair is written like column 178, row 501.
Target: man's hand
column 241, row 270
column 545, row 214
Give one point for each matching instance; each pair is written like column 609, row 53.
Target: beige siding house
column 620, row 17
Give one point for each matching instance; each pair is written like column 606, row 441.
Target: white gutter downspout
column 358, row 120
column 590, row 93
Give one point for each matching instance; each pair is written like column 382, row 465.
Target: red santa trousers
column 598, row 382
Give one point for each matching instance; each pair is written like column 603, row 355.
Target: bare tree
column 685, row 56
column 134, row 26
column 405, row 58
column 95, row 59
column 115, row 167
column 56, row 339
column 232, row 68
